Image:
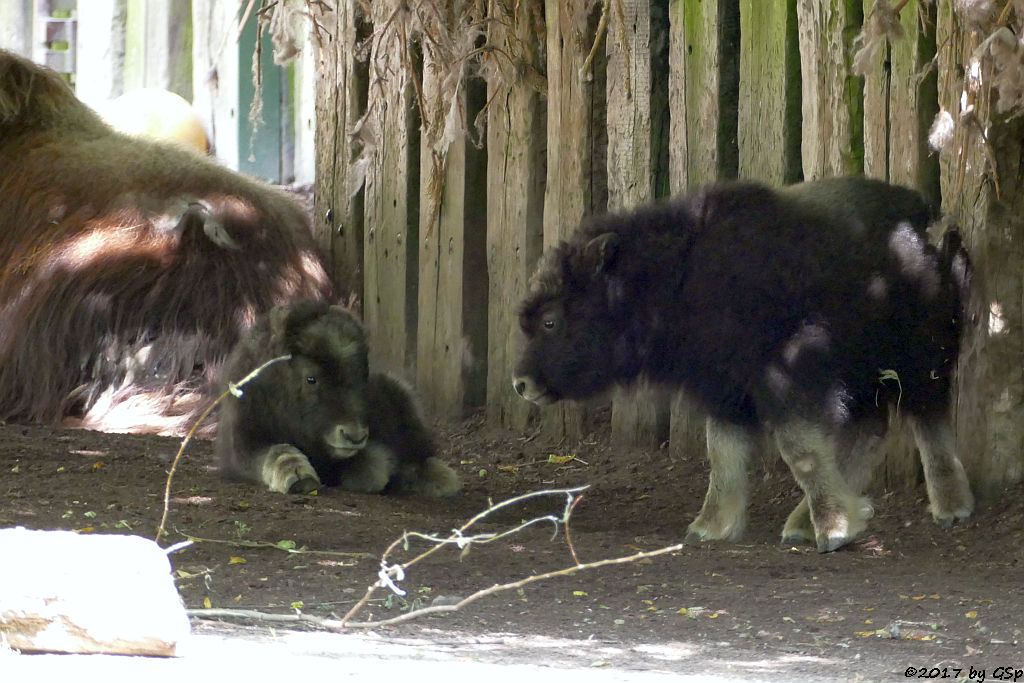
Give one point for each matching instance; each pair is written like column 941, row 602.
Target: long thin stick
column 345, row 623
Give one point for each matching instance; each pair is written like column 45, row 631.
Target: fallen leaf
column 206, row 603
column 973, row 614
column 560, row 459
column 580, row 593
column 236, row 560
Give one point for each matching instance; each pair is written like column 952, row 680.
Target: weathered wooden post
column 515, row 197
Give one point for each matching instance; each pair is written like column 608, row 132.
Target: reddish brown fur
column 128, row 268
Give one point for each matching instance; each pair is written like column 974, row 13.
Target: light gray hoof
column 287, row 470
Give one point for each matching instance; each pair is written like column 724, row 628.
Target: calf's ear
column 599, row 252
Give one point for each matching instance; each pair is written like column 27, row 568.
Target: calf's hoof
column 720, row 528
column 437, row 479
column 952, row 506
column 839, row 525
column 287, row 470
column 798, row 528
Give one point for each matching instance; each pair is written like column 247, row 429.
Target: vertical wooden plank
column 451, row 336
column 832, row 97
column 639, row 414
column 392, row 197
column 570, row 191
column 769, row 99
column 338, row 196
column 876, row 110
column 703, row 87
column 515, row 200
column 215, row 76
column 913, row 101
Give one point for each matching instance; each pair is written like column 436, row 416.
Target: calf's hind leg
column 286, row 469
column 837, row 513
column 724, row 514
column 949, row 493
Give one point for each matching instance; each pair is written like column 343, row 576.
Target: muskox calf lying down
column 801, row 312
column 128, row 268
column 319, row 417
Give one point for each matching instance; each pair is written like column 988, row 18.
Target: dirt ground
column 908, row 600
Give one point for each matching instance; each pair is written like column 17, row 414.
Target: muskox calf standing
column 319, row 417
column 128, row 268
column 800, row 312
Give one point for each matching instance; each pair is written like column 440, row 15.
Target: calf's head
column 571, row 321
column 316, row 400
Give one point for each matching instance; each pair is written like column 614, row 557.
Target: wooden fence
column 457, row 139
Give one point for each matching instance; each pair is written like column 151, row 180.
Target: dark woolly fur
column 128, row 268
column 325, row 384
column 763, row 304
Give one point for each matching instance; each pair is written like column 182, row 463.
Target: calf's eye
column 549, row 324
column 311, row 380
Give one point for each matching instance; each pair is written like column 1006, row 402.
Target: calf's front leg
column 724, row 514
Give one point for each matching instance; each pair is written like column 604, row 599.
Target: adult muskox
column 801, row 312
column 128, row 268
column 316, row 415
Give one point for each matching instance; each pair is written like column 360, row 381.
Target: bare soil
column 947, row 602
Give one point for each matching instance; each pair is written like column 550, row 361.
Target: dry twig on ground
column 391, row 574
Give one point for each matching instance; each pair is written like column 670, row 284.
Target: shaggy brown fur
column 128, row 268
